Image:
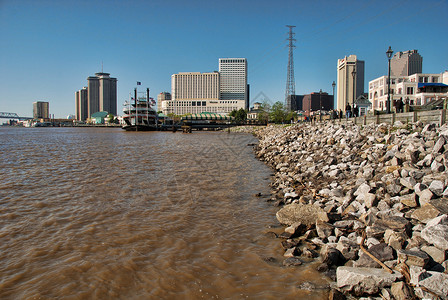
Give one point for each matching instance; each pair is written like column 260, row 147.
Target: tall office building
column 82, row 105
column 406, row 63
column 350, row 81
column 195, row 86
column 41, row 110
column 233, row 79
column 101, row 93
column 216, row 92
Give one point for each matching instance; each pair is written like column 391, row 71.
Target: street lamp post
column 320, row 105
column 389, row 53
column 354, row 86
column 334, row 85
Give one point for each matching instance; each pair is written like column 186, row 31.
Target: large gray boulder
column 436, row 232
column 381, row 251
column 361, row 281
column 293, row 213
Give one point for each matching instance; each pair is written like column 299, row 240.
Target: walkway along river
column 102, row 213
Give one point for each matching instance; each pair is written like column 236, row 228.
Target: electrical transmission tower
column 290, row 82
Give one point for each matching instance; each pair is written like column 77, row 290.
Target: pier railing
column 427, row 117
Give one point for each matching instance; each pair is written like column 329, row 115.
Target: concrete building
column 406, row 63
column 350, row 81
column 295, row 102
column 162, row 97
column 81, row 105
column 445, row 77
column 41, row 110
column 195, row 86
column 101, row 93
column 233, row 80
column 417, row 89
column 215, row 92
column 182, row 107
column 317, row 101
column 252, row 114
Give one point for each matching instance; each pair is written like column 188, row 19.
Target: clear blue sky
column 49, row 48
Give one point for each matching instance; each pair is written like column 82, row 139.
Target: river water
column 99, row 213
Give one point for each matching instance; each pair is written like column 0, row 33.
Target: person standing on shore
column 400, row 105
column 348, row 111
column 407, row 107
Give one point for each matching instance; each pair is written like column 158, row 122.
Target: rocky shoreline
column 369, row 202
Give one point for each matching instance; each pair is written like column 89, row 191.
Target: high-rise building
column 406, row 63
column 101, row 93
column 350, row 81
column 195, row 86
column 82, row 105
column 164, row 96
column 216, row 92
column 41, row 110
column 233, row 79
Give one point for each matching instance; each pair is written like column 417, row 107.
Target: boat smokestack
column 147, row 94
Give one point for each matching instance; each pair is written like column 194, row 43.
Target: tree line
column 276, row 113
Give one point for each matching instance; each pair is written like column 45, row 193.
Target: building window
column 410, row 90
column 435, row 79
column 423, row 79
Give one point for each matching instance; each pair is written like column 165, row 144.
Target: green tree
column 239, row 115
column 292, row 115
column 175, row 118
column 110, row 118
column 263, row 115
column 278, row 113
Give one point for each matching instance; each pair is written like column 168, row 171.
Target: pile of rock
column 337, row 182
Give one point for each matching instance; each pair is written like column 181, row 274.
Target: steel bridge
column 7, row 115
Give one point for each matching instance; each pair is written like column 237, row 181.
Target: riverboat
column 138, row 115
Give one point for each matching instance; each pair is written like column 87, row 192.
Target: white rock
column 436, row 232
column 361, row 281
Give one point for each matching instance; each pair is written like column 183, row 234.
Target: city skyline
column 49, row 47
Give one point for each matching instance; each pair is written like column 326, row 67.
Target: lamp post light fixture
column 389, row 53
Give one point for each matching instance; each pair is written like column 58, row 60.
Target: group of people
column 398, row 105
column 349, row 112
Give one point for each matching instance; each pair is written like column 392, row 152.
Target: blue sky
column 49, row 48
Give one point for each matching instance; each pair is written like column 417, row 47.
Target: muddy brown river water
column 99, row 213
